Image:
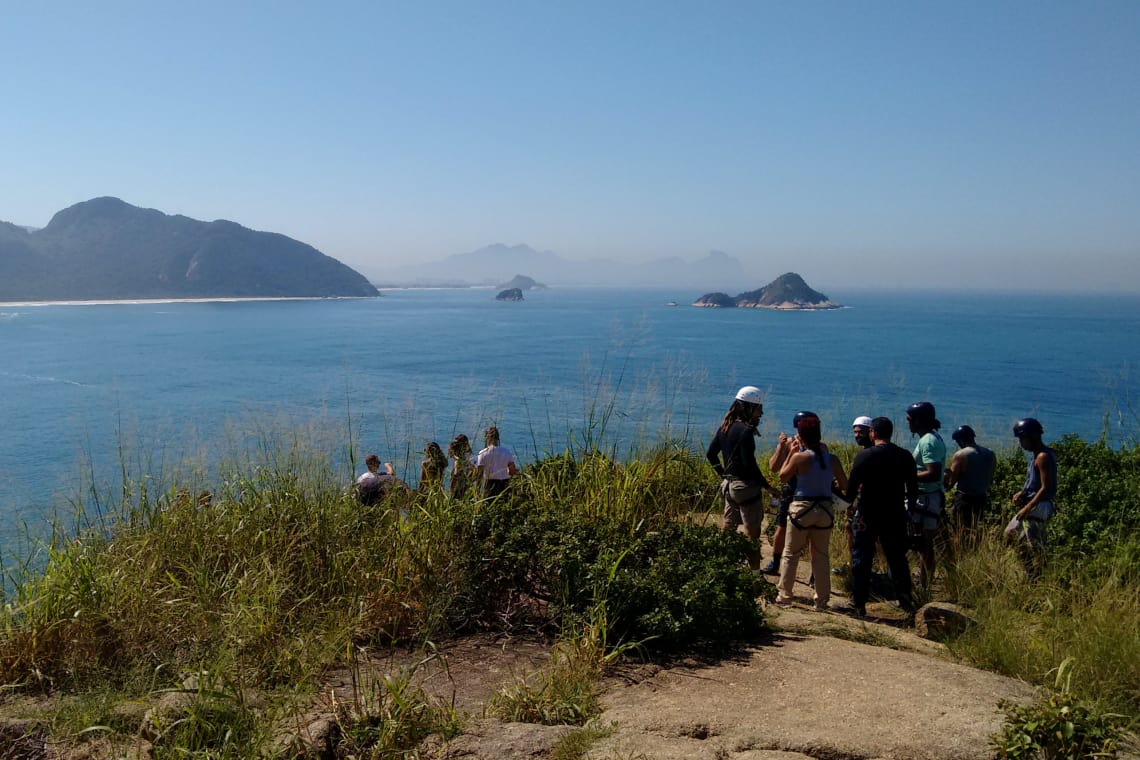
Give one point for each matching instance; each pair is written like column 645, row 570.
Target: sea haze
column 81, row 385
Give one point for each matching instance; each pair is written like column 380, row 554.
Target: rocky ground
column 823, row 685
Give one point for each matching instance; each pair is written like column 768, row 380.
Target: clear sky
column 992, row 144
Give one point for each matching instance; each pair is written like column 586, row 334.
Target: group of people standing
column 491, row 470
column 894, row 498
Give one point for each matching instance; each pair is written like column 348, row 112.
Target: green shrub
column 1056, row 726
column 663, row 586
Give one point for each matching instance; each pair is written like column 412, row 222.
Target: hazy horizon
column 936, row 145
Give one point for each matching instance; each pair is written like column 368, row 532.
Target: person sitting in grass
column 373, row 485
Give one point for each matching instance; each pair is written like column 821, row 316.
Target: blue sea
column 86, row 388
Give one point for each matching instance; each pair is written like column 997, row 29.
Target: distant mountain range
column 493, row 264
column 106, row 249
column 788, row 291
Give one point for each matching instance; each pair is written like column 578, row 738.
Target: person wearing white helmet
column 732, row 454
column 861, row 430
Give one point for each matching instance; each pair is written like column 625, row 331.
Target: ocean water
column 85, row 387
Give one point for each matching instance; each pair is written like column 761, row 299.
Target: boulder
column 942, row 620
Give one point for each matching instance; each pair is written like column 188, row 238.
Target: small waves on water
column 44, row 379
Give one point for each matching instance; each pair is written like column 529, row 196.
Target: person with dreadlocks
column 732, row 453
column 811, row 515
column 929, row 459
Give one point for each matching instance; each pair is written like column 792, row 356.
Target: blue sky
column 862, row 144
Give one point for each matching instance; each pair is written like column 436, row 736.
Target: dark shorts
column 928, row 512
column 786, row 494
column 493, row 488
column 967, row 509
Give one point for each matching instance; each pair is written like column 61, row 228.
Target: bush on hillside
column 674, row 585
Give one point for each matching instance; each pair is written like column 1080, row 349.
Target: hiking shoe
column 772, row 568
column 781, row 602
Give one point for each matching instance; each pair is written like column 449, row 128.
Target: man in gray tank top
column 971, row 470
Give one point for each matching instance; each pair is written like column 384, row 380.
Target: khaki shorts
column 743, row 504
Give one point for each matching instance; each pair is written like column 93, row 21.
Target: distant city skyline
column 941, row 145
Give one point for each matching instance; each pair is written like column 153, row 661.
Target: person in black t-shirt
column 884, row 479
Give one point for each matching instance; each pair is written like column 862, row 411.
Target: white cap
column 863, row 421
column 750, row 394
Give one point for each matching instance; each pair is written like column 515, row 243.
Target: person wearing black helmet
column 812, row 512
column 732, row 454
column 930, row 459
column 1035, row 501
column 971, row 470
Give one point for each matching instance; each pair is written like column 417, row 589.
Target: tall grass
column 273, row 570
column 1084, row 610
column 1029, row 628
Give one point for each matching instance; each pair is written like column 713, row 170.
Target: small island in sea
column 788, row 292
column 510, row 294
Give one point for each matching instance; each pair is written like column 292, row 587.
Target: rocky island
column 788, row 292
column 510, row 294
column 106, row 249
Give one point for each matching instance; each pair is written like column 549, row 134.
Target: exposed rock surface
column 716, row 300
column 510, row 294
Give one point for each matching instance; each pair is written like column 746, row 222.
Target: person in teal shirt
column 930, row 459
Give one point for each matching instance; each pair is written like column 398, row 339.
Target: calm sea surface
column 83, row 387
